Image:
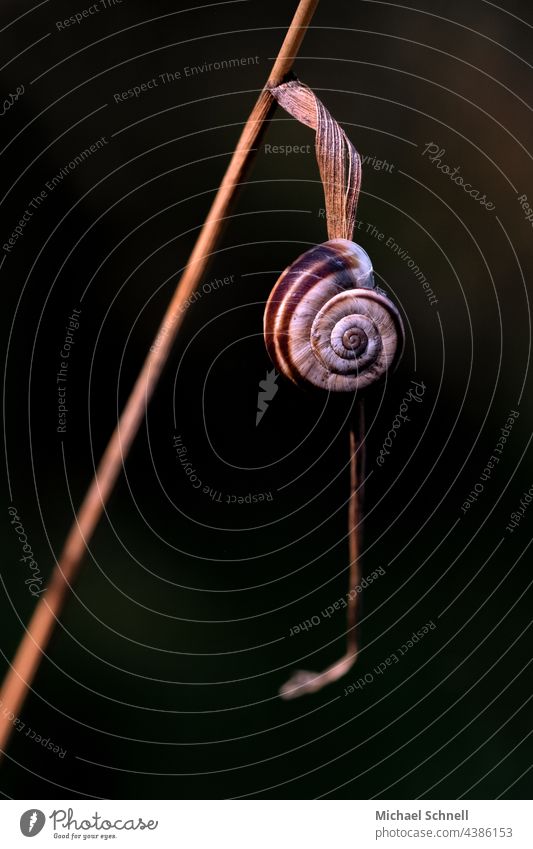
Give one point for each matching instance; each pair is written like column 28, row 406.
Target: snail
column 327, row 324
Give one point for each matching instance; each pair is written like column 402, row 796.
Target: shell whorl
column 327, row 325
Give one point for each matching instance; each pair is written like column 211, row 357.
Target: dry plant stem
column 33, row 645
column 355, row 519
column 303, row 682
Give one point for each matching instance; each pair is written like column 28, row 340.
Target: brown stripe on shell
column 306, row 271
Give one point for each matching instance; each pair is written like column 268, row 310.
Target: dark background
column 161, row 678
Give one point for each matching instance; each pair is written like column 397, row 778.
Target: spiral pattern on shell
column 327, row 325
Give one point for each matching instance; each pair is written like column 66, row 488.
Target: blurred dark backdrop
column 162, row 675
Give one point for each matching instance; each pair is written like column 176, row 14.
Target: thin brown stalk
column 302, row 681
column 33, row 645
column 355, row 520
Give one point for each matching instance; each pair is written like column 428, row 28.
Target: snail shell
column 327, row 324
